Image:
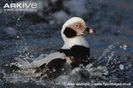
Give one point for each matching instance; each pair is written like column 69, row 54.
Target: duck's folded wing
column 47, row 59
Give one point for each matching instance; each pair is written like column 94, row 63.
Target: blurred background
column 36, row 33
column 39, row 32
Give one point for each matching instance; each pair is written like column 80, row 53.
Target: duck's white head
column 72, row 32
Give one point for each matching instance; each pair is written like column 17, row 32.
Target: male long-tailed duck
column 74, row 52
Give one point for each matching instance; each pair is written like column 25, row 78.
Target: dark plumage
column 74, row 53
column 79, row 55
column 69, row 32
column 55, row 64
column 52, row 69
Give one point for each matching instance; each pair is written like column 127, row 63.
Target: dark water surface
column 28, row 39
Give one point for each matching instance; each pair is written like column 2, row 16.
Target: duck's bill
column 89, row 31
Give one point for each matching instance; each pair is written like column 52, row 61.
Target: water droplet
column 18, row 18
column 121, row 66
column 125, row 47
column 17, row 36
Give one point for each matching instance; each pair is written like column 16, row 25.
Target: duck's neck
column 78, row 40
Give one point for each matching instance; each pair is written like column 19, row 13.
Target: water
column 106, row 68
column 28, row 37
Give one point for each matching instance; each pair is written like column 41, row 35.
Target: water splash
column 95, row 72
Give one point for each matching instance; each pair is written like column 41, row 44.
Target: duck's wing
column 46, row 60
column 52, row 60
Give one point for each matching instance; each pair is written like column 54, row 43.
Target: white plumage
column 74, row 52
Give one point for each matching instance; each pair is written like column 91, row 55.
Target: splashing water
column 107, row 53
column 106, row 68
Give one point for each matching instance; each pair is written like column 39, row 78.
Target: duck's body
column 78, row 55
column 74, row 52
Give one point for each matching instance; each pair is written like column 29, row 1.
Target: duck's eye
column 78, row 26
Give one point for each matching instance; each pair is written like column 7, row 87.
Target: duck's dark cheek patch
column 69, row 32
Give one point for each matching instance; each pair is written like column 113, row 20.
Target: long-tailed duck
column 74, row 52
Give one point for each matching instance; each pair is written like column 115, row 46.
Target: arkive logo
column 20, row 6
